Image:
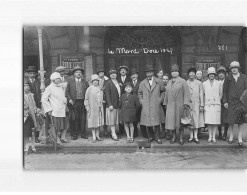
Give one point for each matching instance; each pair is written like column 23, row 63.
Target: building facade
column 135, row 46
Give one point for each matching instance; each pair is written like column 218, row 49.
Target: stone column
column 84, row 39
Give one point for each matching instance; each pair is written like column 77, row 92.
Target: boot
column 36, row 136
column 157, row 134
column 181, row 133
column 173, row 140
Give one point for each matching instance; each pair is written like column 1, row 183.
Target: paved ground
column 133, row 159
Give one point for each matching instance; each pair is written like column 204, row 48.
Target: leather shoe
column 240, row 144
column 230, row 141
column 159, row 141
column 181, row 142
column 75, row 137
column 197, row 141
column 190, row 140
column 98, row 139
column 115, row 139
column 172, row 141
column 64, row 141
column 84, row 137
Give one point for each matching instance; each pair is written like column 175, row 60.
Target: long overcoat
column 176, row 96
column 232, row 92
column 94, row 106
column 196, row 95
column 151, row 100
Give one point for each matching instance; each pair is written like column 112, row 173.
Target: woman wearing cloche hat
column 234, row 86
column 94, row 106
column 212, row 103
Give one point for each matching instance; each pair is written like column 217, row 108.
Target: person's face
column 123, row 71
column 165, row 79
column 78, row 74
column 113, row 76
column 95, row 82
column 26, row 88
column 128, row 89
column 160, row 74
column 62, row 73
column 192, row 75
column 32, row 74
column 149, row 74
column 174, row 74
column 211, row 76
column 199, row 75
column 235, row 70
column 221, row 75
column 101, row 74
column 57, row 81
column 134, row 76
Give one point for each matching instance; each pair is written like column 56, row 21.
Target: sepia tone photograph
column 134, row 97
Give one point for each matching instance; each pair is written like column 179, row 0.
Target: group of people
column 157, row 103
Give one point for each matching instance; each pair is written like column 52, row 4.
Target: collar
column 76, row 79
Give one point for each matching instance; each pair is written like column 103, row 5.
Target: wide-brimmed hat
column 55, row 75
column 100, row 69
column 31, row 69
column 192, row 69
column 112, row 71
column 95, row 77
column 60, row 68
column 77, row 68
column 211, row 70
column 221, row 69
column 133, row 71
column 234, row 64
column 175, row 68
column 149, row 67
column 125, row 67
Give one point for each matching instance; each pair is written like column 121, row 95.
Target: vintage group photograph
column 134, row 97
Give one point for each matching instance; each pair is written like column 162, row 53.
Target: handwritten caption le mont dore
column 139, row 51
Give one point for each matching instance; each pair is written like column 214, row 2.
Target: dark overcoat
column 232, row 92
column 35, row 90
column 111, row 94
column 129, row 104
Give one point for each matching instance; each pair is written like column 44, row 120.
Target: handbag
column 187, row 118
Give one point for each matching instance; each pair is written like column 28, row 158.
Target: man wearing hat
column 221, row 72
column 234, row 86
column 75, row 92
column 122, row 79
column 102, row 82
column 135, row 86
column 34, row 84
column 150, row 91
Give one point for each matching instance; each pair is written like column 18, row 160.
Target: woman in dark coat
column 234, row 86
column 129, row 104
column 113, row 94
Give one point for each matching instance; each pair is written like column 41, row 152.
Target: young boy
column 128, row 105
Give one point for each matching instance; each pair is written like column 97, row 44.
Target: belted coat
column 151, row 99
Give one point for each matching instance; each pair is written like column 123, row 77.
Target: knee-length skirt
column 112, row 117
column 60, row 123
column 212, row 114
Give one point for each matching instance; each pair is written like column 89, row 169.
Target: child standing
column 129, row 103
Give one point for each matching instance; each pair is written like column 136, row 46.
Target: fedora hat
column 234, row 64
column 133, row 71
column 100, row 69
column 149, row 67
column 60, row 68
column 77, row 68
column 31, row 69
column 125, row 67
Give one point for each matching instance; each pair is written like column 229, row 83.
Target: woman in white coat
column 94, row 105
column 212, row 110
column 55, row 102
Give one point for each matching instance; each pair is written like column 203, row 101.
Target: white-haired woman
column 212, row 89
column 94, row 105
column 55, row 102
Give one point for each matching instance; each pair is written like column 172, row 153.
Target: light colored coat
column 212, row 102
column 196, row 95
column 30, row 107
column 151, row 99
column 94, row 106
column 177, row 95
column 54, row 100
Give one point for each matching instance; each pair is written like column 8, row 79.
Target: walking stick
column 52, row 132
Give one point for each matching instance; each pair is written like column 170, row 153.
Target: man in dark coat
column 150, row 90
column 102, row 83
column 122, row 79
column 234, row 86
column 135, row 86
column 75, row 92
column 34, row 84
